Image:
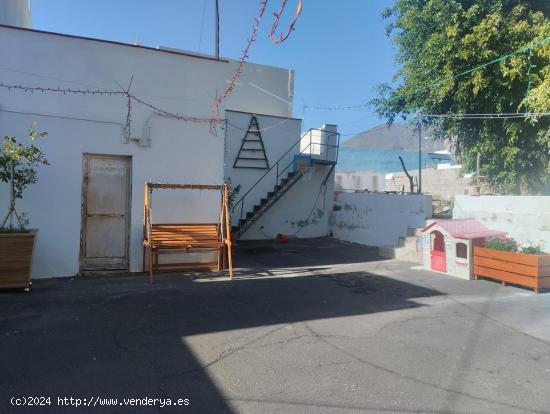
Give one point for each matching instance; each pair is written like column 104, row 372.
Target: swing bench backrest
column 186, row 236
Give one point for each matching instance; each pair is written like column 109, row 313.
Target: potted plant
column 504, row 260
column 18, row 162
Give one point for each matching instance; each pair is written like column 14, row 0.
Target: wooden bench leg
column 150, row 265
column 220, row 258
column 230, row 260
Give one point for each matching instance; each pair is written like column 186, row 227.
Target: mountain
column 396, row 137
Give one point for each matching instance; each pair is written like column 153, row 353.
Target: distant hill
column 396, row 137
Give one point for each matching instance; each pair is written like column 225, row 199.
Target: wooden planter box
column 509, row 267
column 15, row 259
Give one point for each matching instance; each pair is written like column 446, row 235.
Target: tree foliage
column 18, row 164
column 439, row 39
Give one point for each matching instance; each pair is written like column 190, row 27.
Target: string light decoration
column 232, row 82
column 282, row 37
column 240, row 65
column 64, row 91
column 106, row 92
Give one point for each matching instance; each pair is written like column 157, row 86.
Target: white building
column 88, row 204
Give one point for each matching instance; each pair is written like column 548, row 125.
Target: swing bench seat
column 174, row 238
column 187, row 238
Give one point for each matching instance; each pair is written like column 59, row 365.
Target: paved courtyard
column 313, row 326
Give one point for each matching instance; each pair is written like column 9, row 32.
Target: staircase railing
column 278, row 166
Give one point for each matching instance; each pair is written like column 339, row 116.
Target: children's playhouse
column 447, row 245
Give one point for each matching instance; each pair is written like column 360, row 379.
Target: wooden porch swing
column 192, row 238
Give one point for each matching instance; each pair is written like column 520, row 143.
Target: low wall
column 525, row 218
column 378, row 219
column 360, row 180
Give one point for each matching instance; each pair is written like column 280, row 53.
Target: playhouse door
column 439, row 258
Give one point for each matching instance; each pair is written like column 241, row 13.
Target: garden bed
column 15, row 259
column 522, row 269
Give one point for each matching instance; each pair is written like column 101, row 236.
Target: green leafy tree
column 436, row 40
column 18, row 164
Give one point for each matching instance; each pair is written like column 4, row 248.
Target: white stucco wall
column 289, row 215
column 360, row 180
column 177, row 151
column 378, row 219
column 525, row 218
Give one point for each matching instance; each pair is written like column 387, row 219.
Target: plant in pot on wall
column 18, row 163
column 504, row 260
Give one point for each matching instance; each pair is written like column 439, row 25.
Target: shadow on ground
column 123, row 338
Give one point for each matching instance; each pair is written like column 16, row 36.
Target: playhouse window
column 461, row 251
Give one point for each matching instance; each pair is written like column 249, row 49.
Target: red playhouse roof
column 468, row 229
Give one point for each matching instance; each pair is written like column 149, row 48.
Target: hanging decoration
column 244, row 56
column 252, row 152
column 282, row 37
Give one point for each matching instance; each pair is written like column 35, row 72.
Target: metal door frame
column 85, row 159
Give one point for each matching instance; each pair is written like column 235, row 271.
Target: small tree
column 18, row 164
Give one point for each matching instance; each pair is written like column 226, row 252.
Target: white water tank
column 16, row 13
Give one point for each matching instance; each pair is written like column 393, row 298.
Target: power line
column 488, row 116
column 465, row 116
column 529, row 48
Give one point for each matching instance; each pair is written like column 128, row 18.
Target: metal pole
column 420, row 157
column 217, row 30
column 478, row 168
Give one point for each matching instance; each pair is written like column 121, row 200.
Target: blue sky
column 339, row 50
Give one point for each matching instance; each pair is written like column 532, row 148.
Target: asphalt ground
column 312, row 326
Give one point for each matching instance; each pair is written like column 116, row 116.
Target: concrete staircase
column 406, row 249
column 266, row 203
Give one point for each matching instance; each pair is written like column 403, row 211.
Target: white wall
column 289, row 215
column 378, row 219
column 15, row 13
column 525, row 218
column 360, row 180
column 446, row 182
column 279, row 136
column 177, row 151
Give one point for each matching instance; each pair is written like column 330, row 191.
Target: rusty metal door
column 105, row 212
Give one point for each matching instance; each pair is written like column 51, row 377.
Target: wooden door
column 105, row 212
column 438, row 255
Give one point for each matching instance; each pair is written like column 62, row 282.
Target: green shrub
column 533, row 249
column 506, row 245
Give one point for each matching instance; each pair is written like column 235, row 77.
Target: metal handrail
column 281, row 172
